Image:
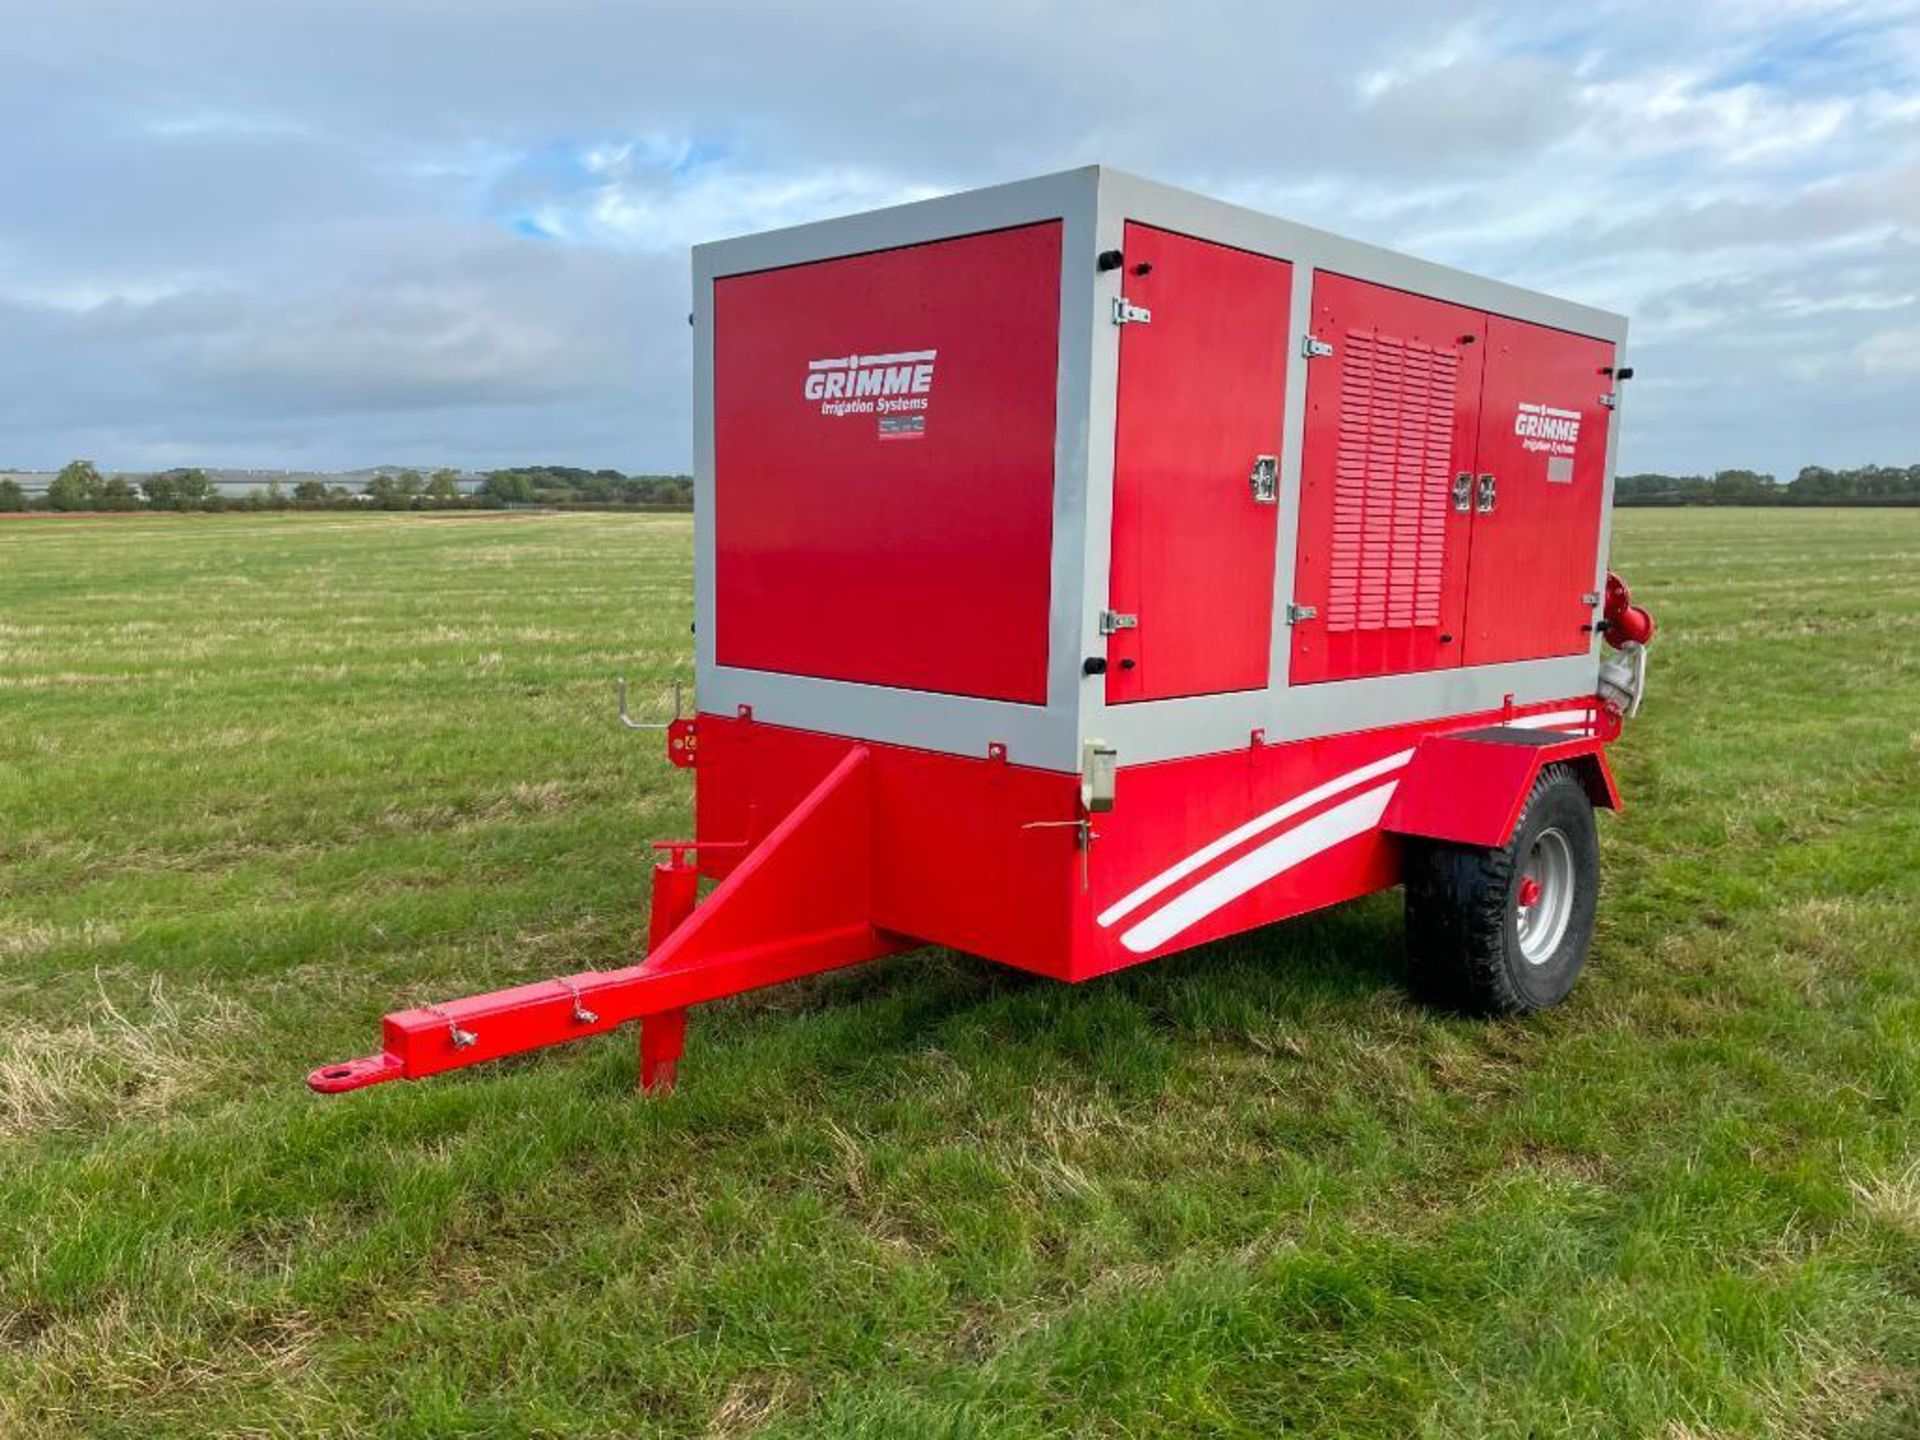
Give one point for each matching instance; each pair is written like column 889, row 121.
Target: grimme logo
column 898, row 388
column 1543, row 427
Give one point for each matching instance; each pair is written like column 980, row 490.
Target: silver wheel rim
column 1542, row 925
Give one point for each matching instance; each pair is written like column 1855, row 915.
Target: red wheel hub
column 1529, row 892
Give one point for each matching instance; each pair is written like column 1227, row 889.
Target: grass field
column 263, row 778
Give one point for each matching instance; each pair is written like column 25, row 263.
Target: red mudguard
column 1469, row 787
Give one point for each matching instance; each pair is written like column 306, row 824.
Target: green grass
column 262, row 779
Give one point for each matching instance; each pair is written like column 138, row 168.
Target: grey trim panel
column 1204, row 725
column 953, row 724
column 997, row 207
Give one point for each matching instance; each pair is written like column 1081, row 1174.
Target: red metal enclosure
column 883, row 457
column 1069, row 596
column 1202, row 388
column 947, row 830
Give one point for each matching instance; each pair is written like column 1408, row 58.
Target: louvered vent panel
column 1391, row 474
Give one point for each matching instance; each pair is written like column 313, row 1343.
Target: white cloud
column 1449, row 52
column 1891, row 353
column 194, row 124
column 661, row 196
column 382, row 229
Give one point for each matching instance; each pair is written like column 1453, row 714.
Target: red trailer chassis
column 816, row 892
column 1084, row 571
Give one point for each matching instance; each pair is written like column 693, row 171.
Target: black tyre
column 1505, row 932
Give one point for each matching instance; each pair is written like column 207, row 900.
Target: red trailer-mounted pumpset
column 1087, row 570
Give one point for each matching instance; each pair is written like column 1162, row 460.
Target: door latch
column 1265, row 479
column 1463, row 491
column 1112, row 621
column 1487, row 495
column 1125, row 312
column 1098, row 763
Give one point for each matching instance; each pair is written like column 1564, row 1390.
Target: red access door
column 1384, row 529
column 1539, row 479
column 883, row 465
column 1200, row 407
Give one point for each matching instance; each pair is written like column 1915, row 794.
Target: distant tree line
column 565, row 485
column 80, row 486
column 1815, row 485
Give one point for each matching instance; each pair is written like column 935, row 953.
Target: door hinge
column 1265, row 480
column 1610, row 400
column 1113, row 620
column 1125, row 312
column 1486, row 495
column 1591, row 598
column 1314, row 348
column 1297, row 613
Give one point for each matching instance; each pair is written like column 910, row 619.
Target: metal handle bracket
column 1265, row 480
column 620, row 704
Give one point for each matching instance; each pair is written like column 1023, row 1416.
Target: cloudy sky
column 365, row 231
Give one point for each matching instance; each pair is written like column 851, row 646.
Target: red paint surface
column 921, row 561
column 1391, row 420
column 954, row 861
column 1168, row 810
column 1202, row 390
column 1471, row 791
column 1535, row 553
column 960, row 861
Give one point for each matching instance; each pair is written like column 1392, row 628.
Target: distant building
column 241, row 483
column 34, row 482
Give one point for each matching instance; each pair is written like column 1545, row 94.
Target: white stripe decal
column 1214, row 849
column 904, row 357
column 1553, row 719
column 1303, row 842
